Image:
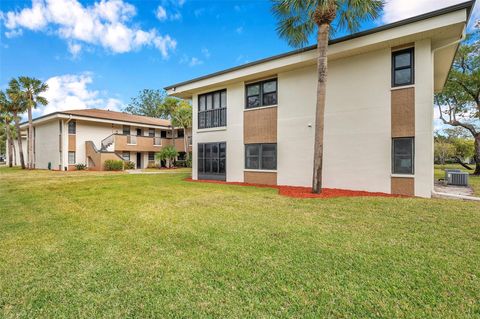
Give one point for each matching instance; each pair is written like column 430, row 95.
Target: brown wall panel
column 264, row 178
column 403, row 186
column 72, row 143
column 403, row 112
column 260, row 126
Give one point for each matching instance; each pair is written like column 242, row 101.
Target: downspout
column 435, row 193
column 65, row 140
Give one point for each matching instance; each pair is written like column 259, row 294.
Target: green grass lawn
column 473, row 180
column 88, row 245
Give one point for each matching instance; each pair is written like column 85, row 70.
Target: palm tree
column 32, row 88
column 5, row 120
column 183, row 118
column 297, row 21
column 17, row 106
column 168, row 109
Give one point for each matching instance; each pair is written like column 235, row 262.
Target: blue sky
column 100, row 54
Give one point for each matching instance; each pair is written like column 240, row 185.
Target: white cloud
column 74, row 49
column 161, row 13
column 239, row 30
column 206, row 52
column 72, row 92
column 106, row 23
column 191, row 61
column 395, row 10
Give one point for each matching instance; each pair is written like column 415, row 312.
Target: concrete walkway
column 454, row 192
column 139, row 171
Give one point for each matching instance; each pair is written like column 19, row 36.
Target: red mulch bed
column 304, row 192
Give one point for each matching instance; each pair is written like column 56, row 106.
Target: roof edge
column 92, row 117
column 460, row 6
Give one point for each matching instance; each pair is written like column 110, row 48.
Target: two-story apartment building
column 64, row 139
column 256, row 123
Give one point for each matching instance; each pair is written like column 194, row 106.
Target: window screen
column 403, row 155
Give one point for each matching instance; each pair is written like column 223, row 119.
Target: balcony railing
column 132, row 139
column 212, row 118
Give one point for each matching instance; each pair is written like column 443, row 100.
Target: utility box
column 456, row 177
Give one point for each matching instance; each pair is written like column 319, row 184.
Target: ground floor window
column 71, row 158
column 261, row 156
column 212, row 160
column 126, row 156
column 181, row 156
column 151, row 156
column 403, row 155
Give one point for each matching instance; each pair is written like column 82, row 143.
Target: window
column 72, row 127
column 261, row 156
column 126, row 156
column 151, row 156
column 151, row 132
column 212, row 109
column 180, row 133
column 403, row 155
column 71, row 158
column 212, row 161
column 163, row 134
column 403, row 67
column 126, row 130
column 261, row 94
column 189, row 140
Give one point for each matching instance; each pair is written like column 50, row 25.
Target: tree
column 169, row 109
column 183, row 118
column 443, row 150
column 17, row 106
column 459, row 102
column 297, row 21
column 31, row 89
column 168, row 154
column 148, row 103
column 5, row 121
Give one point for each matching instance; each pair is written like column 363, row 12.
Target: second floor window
column 126, row 130
column 212, row 109
column 151, row 132
column 402, row 67
column 180, row 133
column 261, row 94
column 72, row 127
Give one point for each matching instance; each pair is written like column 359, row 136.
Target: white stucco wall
column 16, row 152
column 92, row 131
column 47, row 145
column 357, row 124
column 423, row 118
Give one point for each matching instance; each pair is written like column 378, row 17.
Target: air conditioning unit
column 456, row 177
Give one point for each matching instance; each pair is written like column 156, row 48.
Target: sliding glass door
column 212, row 161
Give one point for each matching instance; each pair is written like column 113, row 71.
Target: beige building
column 64, row 139
column 256, row 123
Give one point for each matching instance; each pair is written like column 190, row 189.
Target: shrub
column 80, row 167
column 113, row 165
column 168, row 153
column 129, row 165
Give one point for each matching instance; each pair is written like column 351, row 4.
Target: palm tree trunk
column 14, row 154
column 19, row 140
column 173, row 144
column 31, row 142
column 477, row 155
column 9, row 143
column 185, row 143
column 322, row 68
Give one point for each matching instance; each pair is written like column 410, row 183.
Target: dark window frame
column 214, row 116
column 412, row 171
column 411, row 66
column 260, row 156
column 205, row 170
column 129, row 129
column 72, row 127
column 74, row 157
column 151, row 156
column 260, row 93
column 151, row 132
